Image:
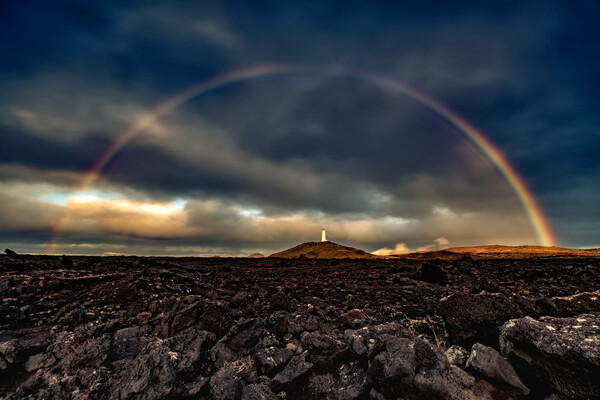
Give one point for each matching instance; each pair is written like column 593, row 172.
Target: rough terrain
column 299, row 328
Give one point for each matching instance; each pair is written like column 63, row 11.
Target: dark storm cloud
column 339, row 169
column 19, row 147
column 73, row 75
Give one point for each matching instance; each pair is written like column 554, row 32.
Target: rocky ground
column 155, row 328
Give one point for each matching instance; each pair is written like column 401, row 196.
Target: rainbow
column 498, row 159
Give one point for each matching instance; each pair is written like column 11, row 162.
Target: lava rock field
column 269, row 328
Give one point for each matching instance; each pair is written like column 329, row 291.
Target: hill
column 498, row 251
column 256, row 255
column 323, row 250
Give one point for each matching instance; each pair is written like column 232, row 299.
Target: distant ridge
column 256, row 255
column 500, row 251
column 323, row 250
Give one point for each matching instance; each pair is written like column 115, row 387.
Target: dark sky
column 263, row 164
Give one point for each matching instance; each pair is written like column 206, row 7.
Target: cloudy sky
column 261, row 164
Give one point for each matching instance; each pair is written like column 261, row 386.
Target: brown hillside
column 322, row 250
column 498, row 251
column 256, row 255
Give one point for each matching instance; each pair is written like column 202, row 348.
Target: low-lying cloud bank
column 93, row 224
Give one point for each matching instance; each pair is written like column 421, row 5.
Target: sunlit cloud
column 438, row 243
column 126, row 217
column 401, row 248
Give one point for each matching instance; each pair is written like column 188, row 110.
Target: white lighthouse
column 323, row 238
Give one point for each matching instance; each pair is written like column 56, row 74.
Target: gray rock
column 415, row 369
column 190, row 348
column 186, row 317
column 89, row 354
column 238, row 342
column 127, row 343
column 449, row 383
column 151, row 375
column 457, row 355
column 273, row 359
column 160, row 368
column 395, row 359
column 296, row 368
column 477, row 317
column 284, row 322
column 42, row 360
column 225, row 384
column 349, row 382
column 560, row 355
column 76, row 316
column 490, row 363
column 362, row 340
column 317, row 342
column 569, row 306
column 8, row 351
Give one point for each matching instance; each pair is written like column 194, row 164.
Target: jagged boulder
column 489, row 363
column 162, row 367
column 472, row 318
column 90, row 354
column 296, row 369
column 568, row 306
column 238, row 342
column 415, row 369
column 476, row 317
column 226, row 384
column 272, row 359
column 317, row 342
column 362, row 341
column 127, row 343
column 560, row 355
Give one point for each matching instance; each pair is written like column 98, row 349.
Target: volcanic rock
column 415, row 369
column 257, row 391
column 433, row 271
column 293, row 371
column 9, row 252
column 273, row 359
column 560, row 354
column 294, row 328
column 362, row 341
column 490, row 363
column 225, row 384
column 238, row 341
column 347, row 381
column 476, row 317
column 127, row 343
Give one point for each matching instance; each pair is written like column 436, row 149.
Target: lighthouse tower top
column 323, row 238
